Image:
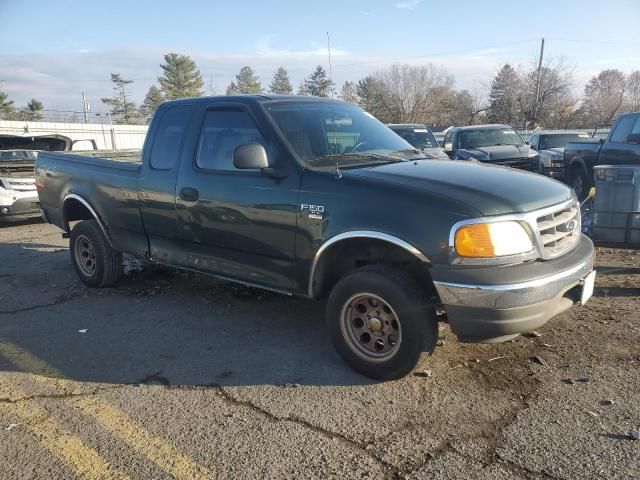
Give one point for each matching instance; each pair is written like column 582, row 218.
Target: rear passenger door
column 157, row 186
column 242, row 223
column 617, row 150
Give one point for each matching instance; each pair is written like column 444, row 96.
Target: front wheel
column 380, row 321
column 95, row 262
column 580, row 182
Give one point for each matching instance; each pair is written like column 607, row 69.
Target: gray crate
column 616, row 212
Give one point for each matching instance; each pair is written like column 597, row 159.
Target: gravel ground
column 173, row 375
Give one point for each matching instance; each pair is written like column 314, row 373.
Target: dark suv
column 495, row 144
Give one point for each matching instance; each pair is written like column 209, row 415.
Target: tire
column 390, row 351
column 95, row 262
column 580, row 182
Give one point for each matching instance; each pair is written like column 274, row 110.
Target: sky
column 54, row 50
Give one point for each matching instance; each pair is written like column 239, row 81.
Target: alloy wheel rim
column 85, row 255
column 370, row 327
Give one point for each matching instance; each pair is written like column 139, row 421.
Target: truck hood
column 499, row 152
column 434, row 152
column 489, row 189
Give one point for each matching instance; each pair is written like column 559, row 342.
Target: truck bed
column 108, row 181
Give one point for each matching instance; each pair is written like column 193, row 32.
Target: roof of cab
column 486, row 126
column 254, row 99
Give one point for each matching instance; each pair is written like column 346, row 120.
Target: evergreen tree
column 318, row 84
column 33, row 112
column 180, row 78
column 247, row 82
column 152, row 101
column 349, row 92
column 504, row 97
column 7, row 110
column 370, row 94
column 122, row 109
column 301, row 90
column 280, row 83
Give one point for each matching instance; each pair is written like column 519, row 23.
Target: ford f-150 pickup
column 317, row 198
column 620, row 147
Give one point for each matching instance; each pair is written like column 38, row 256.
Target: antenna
column 330, row 70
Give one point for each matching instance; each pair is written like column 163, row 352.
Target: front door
column 617, row 151
column 236, row 223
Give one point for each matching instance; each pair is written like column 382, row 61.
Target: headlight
column 487, row 240
column 549, row 161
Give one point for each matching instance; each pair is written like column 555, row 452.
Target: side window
column 534, row 142
column 222, row 132
column 448, row 138
column 623, row 129
column 636, row 126
column 168, row 137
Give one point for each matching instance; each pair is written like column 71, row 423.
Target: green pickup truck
column 317, row 198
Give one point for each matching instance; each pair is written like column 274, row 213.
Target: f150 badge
column 315, row 211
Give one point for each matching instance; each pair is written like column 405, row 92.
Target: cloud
column 408, row 4
column 263, row 47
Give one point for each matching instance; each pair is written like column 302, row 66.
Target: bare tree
column 556, row 80
column 603, row 96
column 412, row 94
column 633, row 92
column 349, row 92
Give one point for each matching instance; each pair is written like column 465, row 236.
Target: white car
column 18, row 195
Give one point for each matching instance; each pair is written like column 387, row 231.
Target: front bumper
column 493, row 304
column 556, row 172
column 20, row 205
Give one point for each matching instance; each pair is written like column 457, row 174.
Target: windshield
column 489, row 137
column 321, row 131
column 17, row 155
column 559, row 141
column 418, row 137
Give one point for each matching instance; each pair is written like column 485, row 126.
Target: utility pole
column 85, row 107
column 330, row 70
column 539, row 79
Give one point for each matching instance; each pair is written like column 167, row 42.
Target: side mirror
column 527, row 142
column 448, row 147
column 250, row 156
column 634, row 138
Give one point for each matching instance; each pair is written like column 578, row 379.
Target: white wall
column 107, row 137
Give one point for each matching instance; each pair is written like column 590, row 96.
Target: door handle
column 189, row 194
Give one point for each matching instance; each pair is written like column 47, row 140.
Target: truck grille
column 19, row 184
column 560, row 230
column 530, row 164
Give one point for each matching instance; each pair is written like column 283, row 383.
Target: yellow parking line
column 82, row 460
column 133, row 434
column 159, row 451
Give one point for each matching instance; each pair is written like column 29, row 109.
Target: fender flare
column 361, row 234
column 73, row 196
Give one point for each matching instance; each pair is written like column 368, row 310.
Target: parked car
column 550, row 146
column 620, row 147
column 246, row 188
column 421, row 137
column 493, row 144
column 18, row 195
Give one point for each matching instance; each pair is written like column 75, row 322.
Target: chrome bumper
column 491, row 311
column 516, row 294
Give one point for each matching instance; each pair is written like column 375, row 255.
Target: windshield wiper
column 338, row 156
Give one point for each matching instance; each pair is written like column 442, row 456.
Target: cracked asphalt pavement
column 174, row 375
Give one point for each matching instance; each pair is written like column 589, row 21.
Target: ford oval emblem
column 570, row 225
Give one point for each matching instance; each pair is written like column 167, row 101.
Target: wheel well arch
column 74, row 208
column 351, row 250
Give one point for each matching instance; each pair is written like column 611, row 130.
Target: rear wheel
column 380, row 322
column 95, row 262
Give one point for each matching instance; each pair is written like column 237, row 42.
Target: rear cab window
column 169, row 136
